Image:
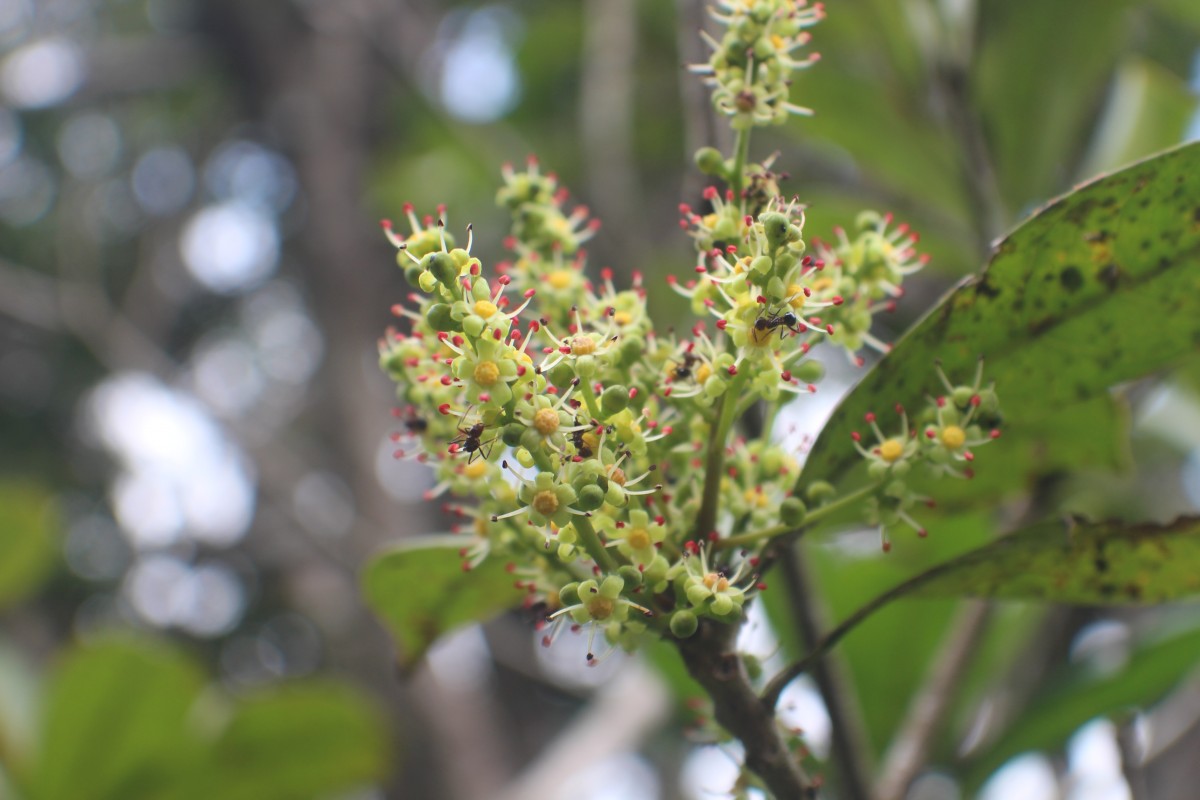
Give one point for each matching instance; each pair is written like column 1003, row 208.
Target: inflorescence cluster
column 598, row 457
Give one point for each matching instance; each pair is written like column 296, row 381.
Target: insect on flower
column 781, row 322
column 470, row 441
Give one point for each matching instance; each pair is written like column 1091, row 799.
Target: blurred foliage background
column 195, row 455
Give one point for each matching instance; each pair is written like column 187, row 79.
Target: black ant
column 684, row 370
column 470, row 441
column 414, row 424
column 581, row 446
column 781, row 322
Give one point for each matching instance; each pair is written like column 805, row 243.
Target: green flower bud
column 585, row 367
column 809, row 371
column 762, row 265
column 683, row 624
column 426, row 281
column 820, row 492
column 530, row 439
column 562, row 375
column 631, row 575
column 524, row 458
column 512, row 433
column 710, row 161
column 725, row 230
column 777, row 228
column 629, row 353
column 412, row 272
column 722, row 605
column 697, row 593
column 792, row 511
column 590, row 498
column 614, row 400
column 473, row 326
column 439, row 318
column 754, row 668
column 443, row 268
column 656, row 570
column 569, row 594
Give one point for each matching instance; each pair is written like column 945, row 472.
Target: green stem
column 812, row 518
column 589, row 399
column 543, row 460
column 714, row 464
column 591, row 543
column 741, row 152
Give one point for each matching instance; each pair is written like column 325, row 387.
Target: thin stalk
column 811, row 519
column 714, row 463
column 591, row 542
column 589, row 399
column 741, row 153
column 775, row 687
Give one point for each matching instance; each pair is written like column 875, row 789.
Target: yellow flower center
column 560, row 278
column 617, row 476
column 953, row 437
column 622, row 318
column 546, row 421
column 777, row 41
column 639, row 538
column 545, row 502
column 891, row 450
column 796, row 292
column 591, row 441
column 486, row 373
column 716, row 582
column 600, row 607
column 485, row 308
column 710, row 220
column 703, row 373
column 821, row 284
column 476, row 469
column 583, row 346
column 756, row 498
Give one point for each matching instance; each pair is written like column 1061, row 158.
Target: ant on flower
column 767, row 323
column 470, row 441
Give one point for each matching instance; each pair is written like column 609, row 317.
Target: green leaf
column 114, row 724
column 301, row 740
column 421, row 591
column 1101, row 286
column 1089, row 563
column 1148, row 109
column 1042, row 66
column 1079, row 694
column 887, row 656
column 27, row 540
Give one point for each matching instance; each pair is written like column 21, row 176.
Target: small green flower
column 487, row 370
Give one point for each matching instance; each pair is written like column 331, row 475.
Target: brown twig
column 712, row 659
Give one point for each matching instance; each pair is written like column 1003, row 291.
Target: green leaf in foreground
column 302, row 740
column 1099, row 287
column 114, row 723
column 27, row 546
column 421, row 591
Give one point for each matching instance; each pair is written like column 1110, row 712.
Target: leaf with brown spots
column 421, row 591
column 1086, row 563
column 1099, row 287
